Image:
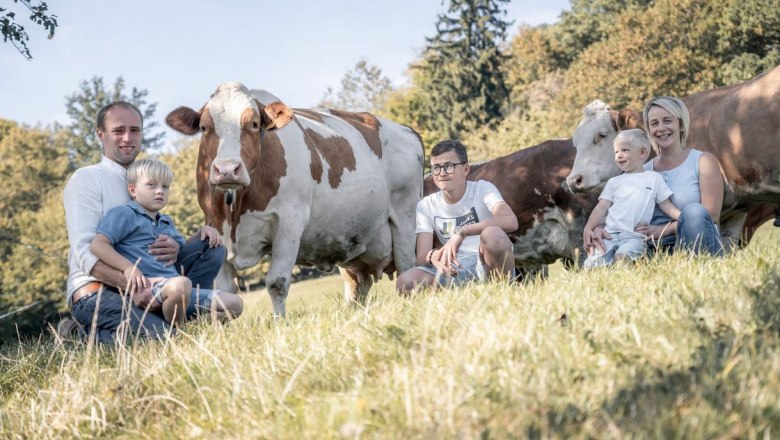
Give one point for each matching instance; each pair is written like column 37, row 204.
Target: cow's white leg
column 283, row 256
column 225, row 280
column 356, row 285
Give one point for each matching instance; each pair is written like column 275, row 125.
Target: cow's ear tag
column 277, row 115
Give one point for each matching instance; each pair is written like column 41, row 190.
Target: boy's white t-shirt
column 634, row 197
column 435, row 215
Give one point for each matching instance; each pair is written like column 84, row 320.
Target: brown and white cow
column 313, row 187
column 739, row 124
column 550, row 218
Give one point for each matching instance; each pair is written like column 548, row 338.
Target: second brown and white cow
column 317, row 187
column 739, row 124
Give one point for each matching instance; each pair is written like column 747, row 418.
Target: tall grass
column 677, row 347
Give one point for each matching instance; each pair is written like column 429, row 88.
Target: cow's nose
column 575, row 182
column 228, row 168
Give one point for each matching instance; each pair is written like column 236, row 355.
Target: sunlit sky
column 180, row 50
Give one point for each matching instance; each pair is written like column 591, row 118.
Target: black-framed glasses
column 448, row 168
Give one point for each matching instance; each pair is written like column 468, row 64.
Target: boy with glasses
column 470, row 219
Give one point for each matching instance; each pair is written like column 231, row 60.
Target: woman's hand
column 654, row 232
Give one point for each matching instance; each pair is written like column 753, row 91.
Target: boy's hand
column 207, row 232
column 136, row 281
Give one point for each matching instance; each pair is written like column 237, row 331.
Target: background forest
column 498, row 87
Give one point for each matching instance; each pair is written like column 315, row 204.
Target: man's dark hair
column 100, row 120
column 451, row 145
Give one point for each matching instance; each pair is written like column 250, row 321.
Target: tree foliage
column 84, row 148
column 15, row 33
column 624, row 53
column 364, row 88
column 33, row 242
column 462, row 82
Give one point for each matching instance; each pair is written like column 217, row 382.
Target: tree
column 463, row 83
column 363, row 88
column 84, row 148
column 33, row 243
column 16, row 34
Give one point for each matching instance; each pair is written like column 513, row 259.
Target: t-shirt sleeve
column 663, row 191
column 608, row 193
column 117, row 224
column 490, row 194
column 424, row 218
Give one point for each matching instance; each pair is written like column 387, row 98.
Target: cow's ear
column 276, row 115
column 184, row 120
column 625, row 119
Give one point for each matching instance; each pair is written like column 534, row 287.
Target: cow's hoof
column 776, row 222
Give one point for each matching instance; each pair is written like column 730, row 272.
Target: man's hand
column 164, row 249
column 207, row 232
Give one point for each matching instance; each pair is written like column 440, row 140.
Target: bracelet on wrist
column 429, row 257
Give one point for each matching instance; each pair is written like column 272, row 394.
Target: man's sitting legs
column 112, row 311
column 200, row 263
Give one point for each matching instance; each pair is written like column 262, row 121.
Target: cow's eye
column 255, row 125
column 203, row 128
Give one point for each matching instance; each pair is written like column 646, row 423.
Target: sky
column 181, row 50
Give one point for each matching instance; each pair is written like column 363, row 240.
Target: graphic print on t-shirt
column 445, row 225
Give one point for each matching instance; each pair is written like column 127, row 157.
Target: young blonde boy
column 626, row 201
column 126, row 232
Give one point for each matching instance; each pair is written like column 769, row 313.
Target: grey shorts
column 632, row 246
column 157, row 290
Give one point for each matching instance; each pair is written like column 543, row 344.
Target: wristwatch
column 459, row 231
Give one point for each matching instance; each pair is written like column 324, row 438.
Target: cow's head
column 232, row 124
column 594, row 163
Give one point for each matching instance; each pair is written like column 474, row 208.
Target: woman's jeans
column 696, row 232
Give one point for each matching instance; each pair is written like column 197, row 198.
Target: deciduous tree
column 83, row 145
column 15, row 33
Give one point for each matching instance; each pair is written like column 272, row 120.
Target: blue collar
column 140, row 210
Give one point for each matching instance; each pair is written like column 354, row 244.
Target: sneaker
column 70, row 330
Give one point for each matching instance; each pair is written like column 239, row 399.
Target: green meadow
column 676, row 347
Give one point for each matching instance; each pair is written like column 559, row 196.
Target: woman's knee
column 693, row 211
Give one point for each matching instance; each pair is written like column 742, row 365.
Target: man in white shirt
column 470, row 219
column 91, row 192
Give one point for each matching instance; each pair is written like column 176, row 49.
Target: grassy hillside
column 676, row 348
